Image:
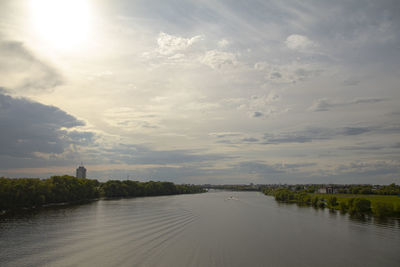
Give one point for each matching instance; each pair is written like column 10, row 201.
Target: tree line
column 353, row 205
column 355, row 189
column 34, row 192
column 117, row 188
column 391, row 189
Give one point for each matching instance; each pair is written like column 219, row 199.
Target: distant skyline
column 201, row 91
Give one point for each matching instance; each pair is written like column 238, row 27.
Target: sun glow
column 62, row 24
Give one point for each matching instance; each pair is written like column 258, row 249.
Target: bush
column 383, row 209
column 314, row 201
column 343, row 207
column 332, row 202
column 359, row 206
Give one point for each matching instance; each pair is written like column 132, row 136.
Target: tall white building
column 81, row 172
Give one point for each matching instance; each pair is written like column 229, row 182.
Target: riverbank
column 30, row 193
column 381, row 206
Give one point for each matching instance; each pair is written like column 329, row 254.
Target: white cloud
column 299, row 42
column 171, row 44
column 219, row 60
column 262, row 106
column 223, row 43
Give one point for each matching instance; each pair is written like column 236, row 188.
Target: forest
column 22, row 193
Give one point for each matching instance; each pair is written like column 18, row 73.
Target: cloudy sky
column 201, row 91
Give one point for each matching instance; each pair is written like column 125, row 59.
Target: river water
column 218, row 228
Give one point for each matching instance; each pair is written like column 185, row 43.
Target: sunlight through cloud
column 63, row 24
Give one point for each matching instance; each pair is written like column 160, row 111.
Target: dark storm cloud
column 28, row 127
column 22, row 71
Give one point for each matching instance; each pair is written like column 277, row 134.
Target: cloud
column 354, row 130
column 350, row 82
column 238, row 69
column 257, row 114
column 259, row 106
column 314, row 134
column 223, row 43
column 369, row 168
column 233, row 138
column 171, row 44
column 130, row 119
column 259, row 168
column 299, row 42
column 365, row 147
column 265, row 169
column 141, row 154
column 326, row 104
column 23, row 72
column 250, row 140
column 225, row 134
column 29, row 127
column 287, row 73
column 173, row 49
column 219, row 60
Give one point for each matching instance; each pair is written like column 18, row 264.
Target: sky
column 219, row 92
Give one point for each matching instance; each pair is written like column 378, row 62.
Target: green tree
column 359, row 206
column 381, row 209
column 332, row 201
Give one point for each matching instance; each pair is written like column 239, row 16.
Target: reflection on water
column 364, row 219
column 211, row 229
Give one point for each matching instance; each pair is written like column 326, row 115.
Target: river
column 217, row 228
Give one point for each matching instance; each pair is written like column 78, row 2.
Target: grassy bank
column 376, row 205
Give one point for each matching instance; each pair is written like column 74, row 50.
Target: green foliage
column 343, row 206
column 282, row 195
column 315, row 201
column 377, row 205
column 391, row 189
column 359, row 206
column 28, row 192
column 236, row 187
column 301, row 197
column 383, row 209
column 117, row 188
column 332, row 201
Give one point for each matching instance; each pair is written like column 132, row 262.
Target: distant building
column 327, row 190
column 81, row 172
